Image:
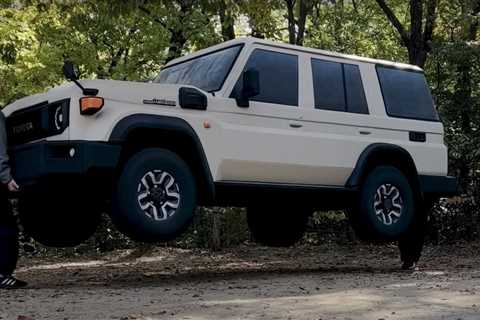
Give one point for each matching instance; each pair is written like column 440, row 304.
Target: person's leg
column 8, row 250
column 411, row 248
column 8, row 246
column 411, row 245
column 8, row 237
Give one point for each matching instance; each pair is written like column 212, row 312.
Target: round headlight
column 59, row 118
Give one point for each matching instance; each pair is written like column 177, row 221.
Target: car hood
column 122, row 91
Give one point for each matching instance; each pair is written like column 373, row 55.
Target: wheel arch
column 139, row 131
column 384, row 154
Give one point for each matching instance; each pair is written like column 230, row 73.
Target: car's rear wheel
column 55, row 218
column 155, row 197
column 277, row 226
column 385, row 207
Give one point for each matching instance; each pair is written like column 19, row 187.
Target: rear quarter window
column 406, row 94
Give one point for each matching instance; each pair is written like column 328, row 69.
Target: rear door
column 336, row 119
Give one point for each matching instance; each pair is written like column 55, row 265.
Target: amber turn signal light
column 90, row 105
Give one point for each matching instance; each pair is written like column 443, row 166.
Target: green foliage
column 106, row 39
column 22, row 71
column 265, row 18
column 360, row 30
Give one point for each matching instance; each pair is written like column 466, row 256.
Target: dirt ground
column 249, row 282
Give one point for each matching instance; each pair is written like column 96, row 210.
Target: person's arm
column 5, row 171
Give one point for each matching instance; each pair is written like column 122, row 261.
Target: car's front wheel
column 155, row 197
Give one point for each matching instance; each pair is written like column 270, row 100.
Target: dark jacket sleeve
column 5, row 172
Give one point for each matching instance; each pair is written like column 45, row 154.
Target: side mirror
column 191, row 98
column 250, row 88
column 69, row 71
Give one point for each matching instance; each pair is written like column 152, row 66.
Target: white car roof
column 251, row 40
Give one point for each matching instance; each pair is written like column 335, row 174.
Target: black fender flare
column 133, row 122
column 378, row 153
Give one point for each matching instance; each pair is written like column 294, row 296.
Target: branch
column 476, row 9
column 156, row 19
column 115, row 59
column 355, row 6
column 476, row 21
column 395, row 22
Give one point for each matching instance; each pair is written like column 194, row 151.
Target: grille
column 37, row 122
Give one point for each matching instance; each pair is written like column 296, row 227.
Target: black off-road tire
column 132, row 192
column 56, row 219
column 277, row 226
column 385, row 208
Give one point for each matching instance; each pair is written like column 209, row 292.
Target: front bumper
column 439, row 186
column 36, row 161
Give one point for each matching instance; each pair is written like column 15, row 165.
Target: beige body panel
column 259, row 144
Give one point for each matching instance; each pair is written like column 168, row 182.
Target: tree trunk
column 291, row 21
column 417, row 55
column 227, row 22
column 422, row 22
column 304, row 10
column 177, row 37
column 177, row 43
column 296, row 27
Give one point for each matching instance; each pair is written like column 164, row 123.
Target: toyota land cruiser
column 280, row 129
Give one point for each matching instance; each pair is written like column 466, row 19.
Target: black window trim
column 344, row 87
column 377, row 66
column 278, row 52
column 241, row 45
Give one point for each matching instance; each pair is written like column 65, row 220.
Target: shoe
column 409, row 266
column 9, row 282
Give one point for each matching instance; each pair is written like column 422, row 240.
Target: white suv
column 280, row 129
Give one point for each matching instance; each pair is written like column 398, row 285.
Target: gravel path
column 328, row 282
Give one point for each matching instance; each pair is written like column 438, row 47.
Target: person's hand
column 13, row 186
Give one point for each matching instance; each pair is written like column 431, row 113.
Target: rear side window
column 338, row 87
column 406, row 94
column 328, row 85
column 278, row 77
column 356, row 101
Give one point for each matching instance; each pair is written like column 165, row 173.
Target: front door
column 263, row 143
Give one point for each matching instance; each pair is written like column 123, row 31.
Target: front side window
column 278, row 74
column 406, row 94
column 338, row 87
column 207, row 72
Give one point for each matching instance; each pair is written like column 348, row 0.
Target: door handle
column 365, row 133
column 295, row 125
column 417, row 136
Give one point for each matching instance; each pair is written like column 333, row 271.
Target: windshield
column 207, row 72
